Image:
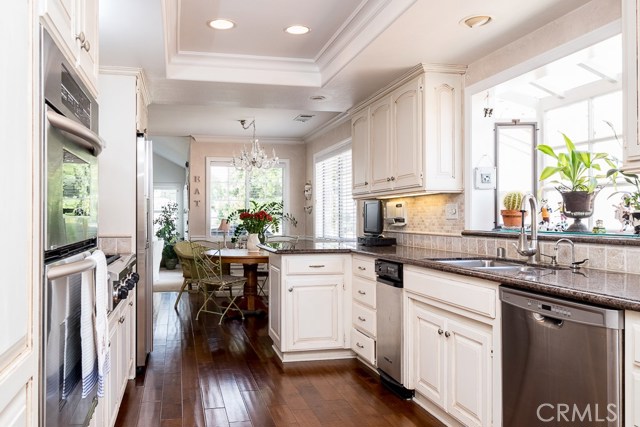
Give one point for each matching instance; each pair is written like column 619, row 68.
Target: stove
column 122, row 277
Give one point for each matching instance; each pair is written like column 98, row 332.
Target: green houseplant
column 578, row 179
column 169, row 233
column 511, row 214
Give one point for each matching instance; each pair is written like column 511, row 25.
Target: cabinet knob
column 121, row 320
column 291, row 289
column 359, row 345
column 393, row 178
column 366, row 183
column 361, row 292
column 86, row 45
column 80, row 37
column 447, row 334
column 440, row 331
column 131, row 303
column 388, row 179
column 361, row 268
column 362, row 319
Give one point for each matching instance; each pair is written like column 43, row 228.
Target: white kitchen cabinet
column 414, row 135
column 73, row 24
column 452, row 335
column 361, row 171
column 632, row 368
column 363, row 311
column 631, row 49
column 307, row 306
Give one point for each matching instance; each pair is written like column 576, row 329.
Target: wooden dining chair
column 212, row 280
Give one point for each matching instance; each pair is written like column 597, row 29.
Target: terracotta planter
column 512, row 219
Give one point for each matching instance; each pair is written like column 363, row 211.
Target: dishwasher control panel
column 551, row 308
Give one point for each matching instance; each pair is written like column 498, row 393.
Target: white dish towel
column 87, row 332
column 102, row 324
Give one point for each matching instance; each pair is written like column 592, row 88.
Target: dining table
column 250, row 302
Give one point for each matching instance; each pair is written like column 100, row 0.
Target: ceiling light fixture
column 297, row 30
column 476, row 21
column 256, row 158
column 221, row 24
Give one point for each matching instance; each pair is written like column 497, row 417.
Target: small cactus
column 512, row 201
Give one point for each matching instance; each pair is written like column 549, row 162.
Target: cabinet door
column 469, row 373
column 59, row 17
column 443, row 124
column 360, row 152
column 314, row 313
column 381, row 145
column 429, row 357
column 275, row 305
column 131, row 338
column 407, row 170
column 112, row 390
column 87, row 50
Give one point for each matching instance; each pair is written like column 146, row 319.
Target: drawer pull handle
column 359, row 345
column 316, row 266
column 361, row 292
column 361, row 268
column 121, row 320
column 362, row 319
column 440, row 331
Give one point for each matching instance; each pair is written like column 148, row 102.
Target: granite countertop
column 605, row 288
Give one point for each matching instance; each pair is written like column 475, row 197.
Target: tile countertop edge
column 575, row 287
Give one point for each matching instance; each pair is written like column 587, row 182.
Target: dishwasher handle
column 550, row 322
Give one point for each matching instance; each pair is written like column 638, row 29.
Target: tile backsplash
column 427, row 213
column 601, row 256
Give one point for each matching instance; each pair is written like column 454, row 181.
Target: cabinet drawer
column 455, row 290
column 364, row 346
column 364, row 319
column 364, row 291
column 314, row 265
column 364, row 267
column 635, row 343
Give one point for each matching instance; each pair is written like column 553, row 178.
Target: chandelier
column 256, row 158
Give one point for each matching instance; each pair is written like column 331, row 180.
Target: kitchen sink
column 497, row 266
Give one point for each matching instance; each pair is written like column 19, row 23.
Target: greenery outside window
column 230, row 189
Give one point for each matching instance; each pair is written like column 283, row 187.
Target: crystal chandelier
column 256, row 158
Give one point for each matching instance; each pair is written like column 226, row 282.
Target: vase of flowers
column 259, row 220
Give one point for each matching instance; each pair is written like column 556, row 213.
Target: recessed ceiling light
column 317, row 97
column 476, row 21
column 221, row 24
column 297, row 30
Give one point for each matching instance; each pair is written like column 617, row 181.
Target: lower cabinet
column 452, row 350
column 307, row 309
column 122, row 358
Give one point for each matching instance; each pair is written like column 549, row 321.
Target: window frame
column 319, row 156
column 226, row 161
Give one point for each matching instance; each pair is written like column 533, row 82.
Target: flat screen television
column 373, row 218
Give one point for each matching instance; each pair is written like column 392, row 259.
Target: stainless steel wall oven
column 70, row 146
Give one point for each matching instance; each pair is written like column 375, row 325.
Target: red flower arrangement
column 255, row 222
column 260, row 219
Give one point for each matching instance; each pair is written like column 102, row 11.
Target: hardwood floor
column 203, row 374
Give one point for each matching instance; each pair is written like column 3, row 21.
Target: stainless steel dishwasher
column 561, row 362
column 389, row 326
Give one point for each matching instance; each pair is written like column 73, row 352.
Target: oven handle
column 82, row 136
column 64, row 270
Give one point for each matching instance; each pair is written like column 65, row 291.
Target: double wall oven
column 70, row 152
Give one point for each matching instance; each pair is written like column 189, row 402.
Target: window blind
column 335, row 211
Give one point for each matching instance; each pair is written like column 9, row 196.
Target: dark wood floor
column 202, row 374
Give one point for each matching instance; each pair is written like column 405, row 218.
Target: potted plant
column 630, row 204
column 259, row 220
column 578, row 184
column 168, row 232
column 511, row 214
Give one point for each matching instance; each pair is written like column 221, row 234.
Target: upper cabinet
column 411, row 132
column 73, row 24
column 631, row 49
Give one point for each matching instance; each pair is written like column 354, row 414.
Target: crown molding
column 244, row 140
column 138, row 73
column 328, row 126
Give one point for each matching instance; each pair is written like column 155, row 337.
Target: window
column 231, row 189
column 335, row 209
column 161, row 196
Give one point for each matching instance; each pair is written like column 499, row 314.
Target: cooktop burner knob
column 123, row 292
column 135, row 276
column 130, row 283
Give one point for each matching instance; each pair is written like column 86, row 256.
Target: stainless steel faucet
column 525, row 248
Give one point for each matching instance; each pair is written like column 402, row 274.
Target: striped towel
column 87, row 341
column 101, row 323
